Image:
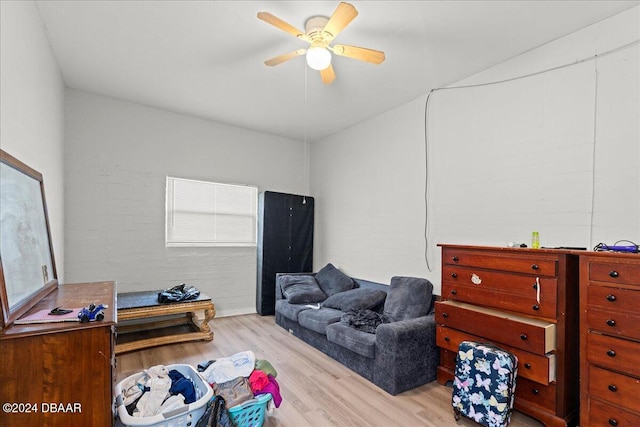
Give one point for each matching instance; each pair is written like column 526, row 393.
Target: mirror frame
column 10, row 314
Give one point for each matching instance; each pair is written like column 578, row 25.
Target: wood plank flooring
column 316, row 390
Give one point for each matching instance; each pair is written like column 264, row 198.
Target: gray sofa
column 400, row 355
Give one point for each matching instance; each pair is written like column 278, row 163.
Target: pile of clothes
column 241, row 377
column 158, row 390
column 236, row 379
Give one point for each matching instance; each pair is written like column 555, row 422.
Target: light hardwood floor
column 316, row 390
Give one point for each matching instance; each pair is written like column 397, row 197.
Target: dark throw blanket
column 363, row 320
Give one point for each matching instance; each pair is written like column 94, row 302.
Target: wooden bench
column 143, row 322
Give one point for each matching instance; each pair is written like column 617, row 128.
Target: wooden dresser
column 61, row 374
column 610, row 344
column 525, row 301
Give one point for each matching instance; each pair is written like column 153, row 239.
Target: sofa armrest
column 407, row 335
column 279, row 294
column 406, row 354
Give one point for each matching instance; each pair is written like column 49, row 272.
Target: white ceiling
column 205, row 58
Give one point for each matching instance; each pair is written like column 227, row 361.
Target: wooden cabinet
column 61, row 374
column 610, row 345
column 525, row 301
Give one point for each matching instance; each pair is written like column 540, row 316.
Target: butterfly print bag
column 484, row 384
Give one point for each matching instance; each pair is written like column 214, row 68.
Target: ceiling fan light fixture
column 318, row 58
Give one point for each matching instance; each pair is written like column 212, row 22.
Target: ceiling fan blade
column 342, row 16
column 360, row 53
column 284, row 26
column 328, row 75
column 284, row 57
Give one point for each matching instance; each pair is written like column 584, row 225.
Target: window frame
column 209, row 214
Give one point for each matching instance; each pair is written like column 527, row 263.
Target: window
column 203, row 213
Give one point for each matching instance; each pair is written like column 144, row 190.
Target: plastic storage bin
column 250, row 413
column 186, row 416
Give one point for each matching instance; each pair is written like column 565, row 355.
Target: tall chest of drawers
column 525, row 301
column 610, row 339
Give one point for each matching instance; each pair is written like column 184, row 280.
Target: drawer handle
column 536, row 307
column 613, row 388
column 455, row 259
column 611, row 322
column 611, row 353
column 535, row 267
column 613, row 422
column 613, row 273
column 535, row 391
column 447, row 339
column 453, row 292
column 445, row 315
column 523, row 337
column 611, row 298
column 454, row 275
column 527, row 365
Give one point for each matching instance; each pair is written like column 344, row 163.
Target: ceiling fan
column 319, row 33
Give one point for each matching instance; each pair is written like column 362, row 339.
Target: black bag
column 215, row 415
column 178, row 293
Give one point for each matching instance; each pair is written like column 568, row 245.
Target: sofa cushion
column 359, row 342
column 290, row 311
column 408, row 298
column 301, row 289
column 318, row 320
column 332, row 280
column 356, row 299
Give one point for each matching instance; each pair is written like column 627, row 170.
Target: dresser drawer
column 615, row 388
column 542, row 395
column 614, row 272
column 603, row 414
column 501, row 290
column 535, row 367
column 537, row 264
column 611, row 298
column 614, row 322
column 533, row 335
column 613, row 353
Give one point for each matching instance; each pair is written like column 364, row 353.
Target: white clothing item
column 228, row 368
column 173, row 402
column 159, row 384
column 132, row 389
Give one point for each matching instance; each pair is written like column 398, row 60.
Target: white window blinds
column 203, row 213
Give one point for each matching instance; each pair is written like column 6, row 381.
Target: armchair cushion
column 408, row 298
column 356, row 299
column 331, row 280
column 302, row 290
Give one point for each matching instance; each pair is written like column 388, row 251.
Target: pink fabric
column 273, row 388
column 258, row 380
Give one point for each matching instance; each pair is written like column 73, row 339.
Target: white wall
column 32, row 107
column 117, row 157
column 505, row 160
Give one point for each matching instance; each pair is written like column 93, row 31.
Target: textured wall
column 32, row 107
column 504, row 160
column 117, row 157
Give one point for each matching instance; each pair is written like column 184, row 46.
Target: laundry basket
column 250, row 413
column 185, row 416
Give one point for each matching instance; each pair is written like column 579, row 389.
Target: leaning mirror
column 27, row 267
